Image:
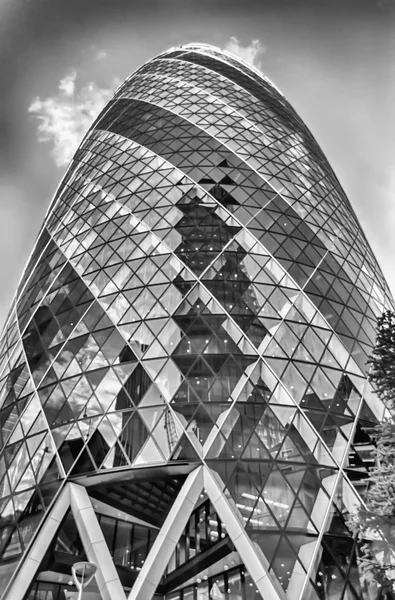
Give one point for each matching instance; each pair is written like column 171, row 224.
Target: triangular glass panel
column 200, row 418
column 247, row 478
column 283, row 562
column 185, row 450
column 267, row 542
column 133, row 436
column 150, row 453
column 255, row 449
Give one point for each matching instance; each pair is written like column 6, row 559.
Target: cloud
column 97, row 53
column 67, row 84
column 64, row 118
column 250, row 53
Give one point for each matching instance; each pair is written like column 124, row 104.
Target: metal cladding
column 201, row 292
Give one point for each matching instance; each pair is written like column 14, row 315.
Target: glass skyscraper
column 183, row 368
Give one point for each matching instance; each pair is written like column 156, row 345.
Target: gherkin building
column 184, row 399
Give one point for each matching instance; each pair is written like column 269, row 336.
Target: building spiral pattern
column 201, row 292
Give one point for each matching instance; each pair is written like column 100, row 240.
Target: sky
column 61, row 60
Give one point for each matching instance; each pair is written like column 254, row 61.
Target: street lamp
column 83, row 573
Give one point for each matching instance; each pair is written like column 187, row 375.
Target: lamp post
column 83, row 573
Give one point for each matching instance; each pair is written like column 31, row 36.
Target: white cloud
column 97, row 54
column 250, row 53
column 65, row 117
column 101, row 55
column 67, row 84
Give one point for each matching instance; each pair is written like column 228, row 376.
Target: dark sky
column 333, row 59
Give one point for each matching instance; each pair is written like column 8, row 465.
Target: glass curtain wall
column 200, row 293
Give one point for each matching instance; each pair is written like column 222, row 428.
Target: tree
column 376, row 523
column 382, row 361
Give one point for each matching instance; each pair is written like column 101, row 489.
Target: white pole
column 80, row 569
column 81, row 584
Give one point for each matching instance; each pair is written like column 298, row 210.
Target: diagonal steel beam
column 157, row 560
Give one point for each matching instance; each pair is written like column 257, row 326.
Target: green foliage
column 380, row 497
column 376, row 523
column 382, row 361
column 373, row 572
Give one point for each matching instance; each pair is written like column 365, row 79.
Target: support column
column 94, row 544
column 149, row 577
column 250, row 553
column 37, row 550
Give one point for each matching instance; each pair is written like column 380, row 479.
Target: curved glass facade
column 200, row 294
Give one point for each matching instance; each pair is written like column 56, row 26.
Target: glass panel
column 122, row 543
column 139, row 546
column 250, row 590
column 202, row 592
column 234, row 585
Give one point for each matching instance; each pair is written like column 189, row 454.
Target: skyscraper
column 183, row 368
